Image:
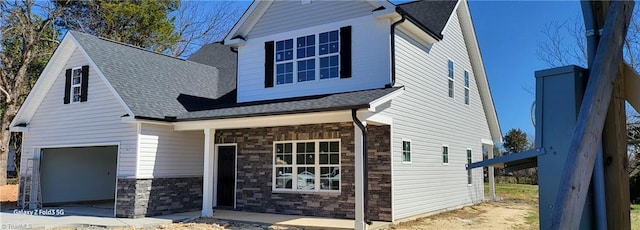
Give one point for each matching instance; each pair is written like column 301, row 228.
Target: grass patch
column 13, row 180
column 519, row 192
column 635, row 216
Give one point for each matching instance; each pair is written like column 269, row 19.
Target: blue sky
column 508, row 34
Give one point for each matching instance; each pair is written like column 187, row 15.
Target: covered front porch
column 304, row 222
column 254, row 157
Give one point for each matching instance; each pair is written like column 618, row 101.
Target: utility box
column 559, row 93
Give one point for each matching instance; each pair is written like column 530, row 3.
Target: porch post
column 359, row 171
column 207, row 180
column 492, row 180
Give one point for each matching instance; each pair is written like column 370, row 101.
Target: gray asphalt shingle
column 149, row 83
column 433, row 15
column 329, row 102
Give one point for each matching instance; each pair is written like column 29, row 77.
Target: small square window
column 445, row 154
column 406, row 151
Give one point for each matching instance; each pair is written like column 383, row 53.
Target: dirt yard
column 507, row 214
column 8, row 196
column 517, row 210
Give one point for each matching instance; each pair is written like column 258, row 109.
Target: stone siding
column 255, row 167
column 379, row 172
column 158, row 196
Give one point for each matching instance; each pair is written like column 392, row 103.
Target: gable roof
column 149, row 83
column 432, row 16
column 258, row 8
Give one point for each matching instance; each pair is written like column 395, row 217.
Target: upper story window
column 445, row 154
column 466, row 87
column 76, row 85
column 311, row 51
column 311, row 57
column 307, row 165
column 284, row 61
column 450, row 80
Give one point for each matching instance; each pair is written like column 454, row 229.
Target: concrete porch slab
column 22, row 219
column 305, row 222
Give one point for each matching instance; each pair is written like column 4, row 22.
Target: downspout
column 393, row 50
column 365, row 174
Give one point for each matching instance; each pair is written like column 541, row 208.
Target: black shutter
column 84, row 87
column 345, row 52
column 67, row 87
column 268, row 64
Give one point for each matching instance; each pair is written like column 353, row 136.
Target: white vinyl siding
column 430, row 118
column 283, row 16
column 168, row 153
column 370, row 61
column 95, row 121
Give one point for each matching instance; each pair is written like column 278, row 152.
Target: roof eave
column 413, row 20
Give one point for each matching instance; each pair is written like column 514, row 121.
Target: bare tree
column 565, row 43
column 27, row 39
column 199, row 23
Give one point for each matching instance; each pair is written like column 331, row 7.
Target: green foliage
column 516, row 141
column 143, row 23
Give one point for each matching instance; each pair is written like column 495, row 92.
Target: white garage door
column 74, row 175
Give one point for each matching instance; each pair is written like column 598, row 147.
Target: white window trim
column 71, row 101
column 294, row 165
column 410, row 152
column 441, row 154
column 470, row 170
column 452, row 79
column 467, row 88
column 295, row 60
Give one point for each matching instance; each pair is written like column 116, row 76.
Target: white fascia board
column 376, row 103
column 418, row 32
column 18, row 129
column 104, row 79
column 266, row 121
column 247, row 21
column 129, row 119
column 479, row 73
column 45, row 81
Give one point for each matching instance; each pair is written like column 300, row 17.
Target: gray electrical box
column 559, row 93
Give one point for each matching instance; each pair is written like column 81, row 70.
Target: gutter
column 393, row 50
column 365, row 174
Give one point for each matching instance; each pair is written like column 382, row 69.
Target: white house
column 279, row 119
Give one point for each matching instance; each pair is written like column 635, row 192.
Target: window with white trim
column 445, row 154
column 307, row 165
column 315, row 55
column 450, row 80
column 469, row 176
column 76, row 84
column 466, row 87
column 406, row 151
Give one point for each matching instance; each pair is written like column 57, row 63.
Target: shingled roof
column 431, row 15
column 149, row 83
column 328, row 102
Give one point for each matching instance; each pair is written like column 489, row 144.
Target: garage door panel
column 78, row 174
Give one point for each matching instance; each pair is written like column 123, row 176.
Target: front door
column 226, row 176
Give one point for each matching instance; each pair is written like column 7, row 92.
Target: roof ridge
column 129, row 45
